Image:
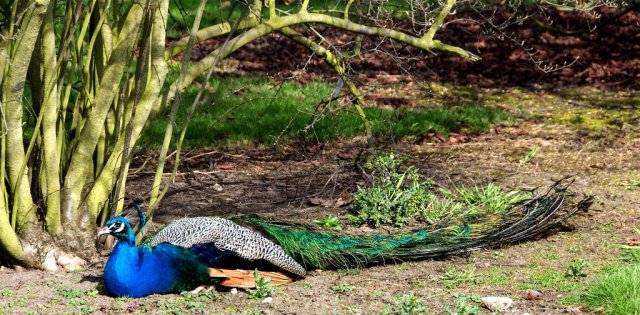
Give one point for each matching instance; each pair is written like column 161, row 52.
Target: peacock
column 191, row 252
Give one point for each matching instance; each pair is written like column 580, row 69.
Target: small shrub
column 342, row 287
column 406, row 305
column 454, row 277
column 263, row 289
column 330, row 222
column 462, row 306
column 396, row 196
column 576, row 269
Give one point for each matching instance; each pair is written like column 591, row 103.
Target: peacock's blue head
column 119, row 227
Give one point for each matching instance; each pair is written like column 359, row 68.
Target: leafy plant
column 8, row 292
column 631, row 254
column 395, row 196
column 576, row 269
column 464, row 305
column 454, row 277
column 529, row 156
column 263, row 289
column 398, row 196
column 342, row 287
column 406, row 305
column 329, row 221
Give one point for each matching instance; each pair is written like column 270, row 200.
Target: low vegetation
column 263, row 288
column 617, row 291
column 241, row 110
column 399, row 196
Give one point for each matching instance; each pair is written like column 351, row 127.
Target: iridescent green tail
column 323, row 249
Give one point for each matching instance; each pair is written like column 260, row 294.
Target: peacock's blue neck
column 129, row 239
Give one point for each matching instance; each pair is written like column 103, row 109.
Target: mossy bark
column 81, row 160
column 23, row 211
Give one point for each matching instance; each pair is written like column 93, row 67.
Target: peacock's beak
column 105, row 230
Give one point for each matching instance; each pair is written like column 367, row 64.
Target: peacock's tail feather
column 322, row 249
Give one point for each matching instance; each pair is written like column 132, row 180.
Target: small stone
column 534, row 295
column 18, row 268
column 496, row 303
column 71, row 262
column 233, row 291
column 217, row 187
column 49, row 263
column 267, row 300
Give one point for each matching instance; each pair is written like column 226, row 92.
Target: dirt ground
column 603, row 154
column 281, row 181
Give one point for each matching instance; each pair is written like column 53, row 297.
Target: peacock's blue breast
column 136, row 272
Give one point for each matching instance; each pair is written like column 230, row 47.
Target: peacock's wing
column 217, row 236
column 188, row 270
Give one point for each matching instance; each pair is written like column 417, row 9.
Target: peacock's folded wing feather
column 224, row 236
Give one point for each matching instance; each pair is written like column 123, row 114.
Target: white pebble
column 234, row 291
column 496, row 303
column 267, row 300
column 49, row 263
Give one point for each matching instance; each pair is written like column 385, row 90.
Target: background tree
column 80, row 79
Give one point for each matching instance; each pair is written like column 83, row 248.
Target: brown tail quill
column 245, row 278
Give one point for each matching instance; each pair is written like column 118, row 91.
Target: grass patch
column 617, row 291
column 541, row 278
column 406, row 304
column 495, row 276
column 342, row 287
column 240, row 110
column 452, row 278
column 186, row 303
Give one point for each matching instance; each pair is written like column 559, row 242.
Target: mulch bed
column 608, row 56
